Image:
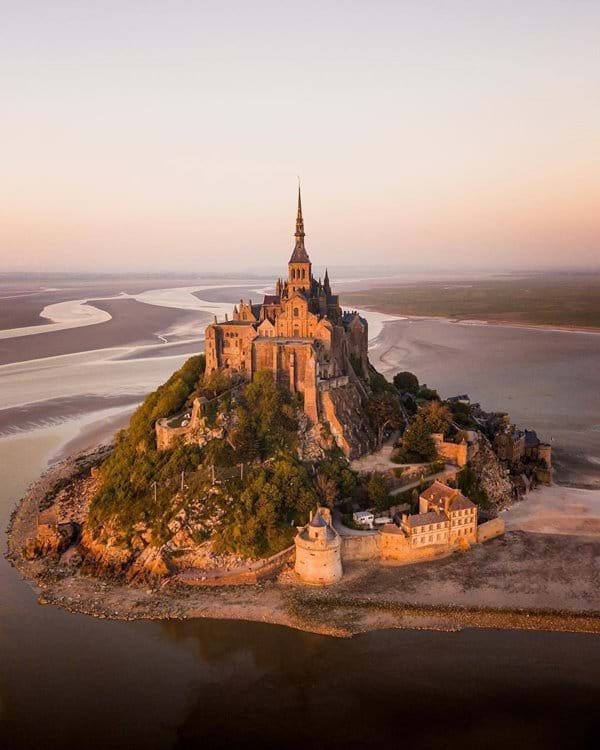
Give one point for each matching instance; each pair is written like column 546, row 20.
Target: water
column 72, row 681
column 547, row 380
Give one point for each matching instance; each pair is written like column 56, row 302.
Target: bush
column 126, row 491
column 378, row 490
column 406, row 382
column 469, row 484
column 266, row 508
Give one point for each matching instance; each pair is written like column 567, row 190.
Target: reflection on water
column 72, row 681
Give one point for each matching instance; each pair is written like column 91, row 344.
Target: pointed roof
column 299, row 255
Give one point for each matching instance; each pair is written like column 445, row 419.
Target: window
column 296, row 312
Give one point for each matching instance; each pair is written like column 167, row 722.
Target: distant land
column 569, row 300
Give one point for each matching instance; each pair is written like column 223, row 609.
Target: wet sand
column 132, row 322
column 545, row 380
column 21, row 302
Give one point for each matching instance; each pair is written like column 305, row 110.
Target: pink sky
column 151, row 136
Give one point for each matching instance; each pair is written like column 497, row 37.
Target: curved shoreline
column 339, row 611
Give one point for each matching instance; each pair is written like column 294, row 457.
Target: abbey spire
column 299, row 265
column 299, row 255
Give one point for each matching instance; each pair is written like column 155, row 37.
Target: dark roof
column 424, row 519
column 271, row 299
column 531, row 439
column 439, row 493
column 299, row 255
column 318, row 520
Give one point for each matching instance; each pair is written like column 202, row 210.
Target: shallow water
column 547, row 380
column 72, row 681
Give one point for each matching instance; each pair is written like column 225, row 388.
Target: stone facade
column 460, row 512
column 311, row 346
column 318, row 550
column 457, row 453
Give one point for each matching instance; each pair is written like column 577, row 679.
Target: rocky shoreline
column 343, row 610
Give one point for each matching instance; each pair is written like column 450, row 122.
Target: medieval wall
column 490, row 529
column 361, row 547
column 396, row 546
column 458, row 453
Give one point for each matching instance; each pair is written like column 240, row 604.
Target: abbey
column 300, row 334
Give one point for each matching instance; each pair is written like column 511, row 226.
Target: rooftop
column 424, row 519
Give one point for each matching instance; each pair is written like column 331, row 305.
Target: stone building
column 426, row 529
column 300, row 333
column 311, row 346
column 459, row 510
column 509, row 445
column 318, row 550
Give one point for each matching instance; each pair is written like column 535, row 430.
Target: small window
column 296, row 312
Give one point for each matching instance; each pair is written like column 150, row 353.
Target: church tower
column 299, row 266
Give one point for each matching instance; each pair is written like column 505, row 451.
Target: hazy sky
column 143, row 135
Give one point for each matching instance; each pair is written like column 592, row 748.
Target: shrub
column 406, row 382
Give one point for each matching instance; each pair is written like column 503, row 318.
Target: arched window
column 303, row 273
column 296, row 312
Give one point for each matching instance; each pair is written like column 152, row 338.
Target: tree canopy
column 406, row 382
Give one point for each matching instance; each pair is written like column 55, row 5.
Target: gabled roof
column 439, row 494
column 271, row 299
column 424, row 519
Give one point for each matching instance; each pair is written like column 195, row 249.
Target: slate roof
column 531, row 439
column 299, row 255
column 424, row 519
column 439, row 494
column 271, row 299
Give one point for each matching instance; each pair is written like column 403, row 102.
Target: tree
column 406, row 382
column 436, row 416
column 417, row 443
column 384, row 409
column 378, row 491
column 428, row 394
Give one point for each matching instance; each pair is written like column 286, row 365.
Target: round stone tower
column 318, row 550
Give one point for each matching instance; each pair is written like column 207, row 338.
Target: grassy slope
column 562, row 300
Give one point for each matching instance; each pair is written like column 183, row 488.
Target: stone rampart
column 490, row 529
column 360, row 547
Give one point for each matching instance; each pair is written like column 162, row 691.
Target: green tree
column 436, row 416
column 406, row 382
column 378, row 491
column 384, row 409
column 417, row 443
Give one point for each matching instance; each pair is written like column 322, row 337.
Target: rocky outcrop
column 343, row 410
column 492, row 476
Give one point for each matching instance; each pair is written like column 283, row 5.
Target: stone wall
column 396, row 546
column 361, row 547
column 457, row 453
column 490, row 529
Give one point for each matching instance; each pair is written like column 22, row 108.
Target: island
column 278, row 476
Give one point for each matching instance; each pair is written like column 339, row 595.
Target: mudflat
column 545, row 380
column 132, row 322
